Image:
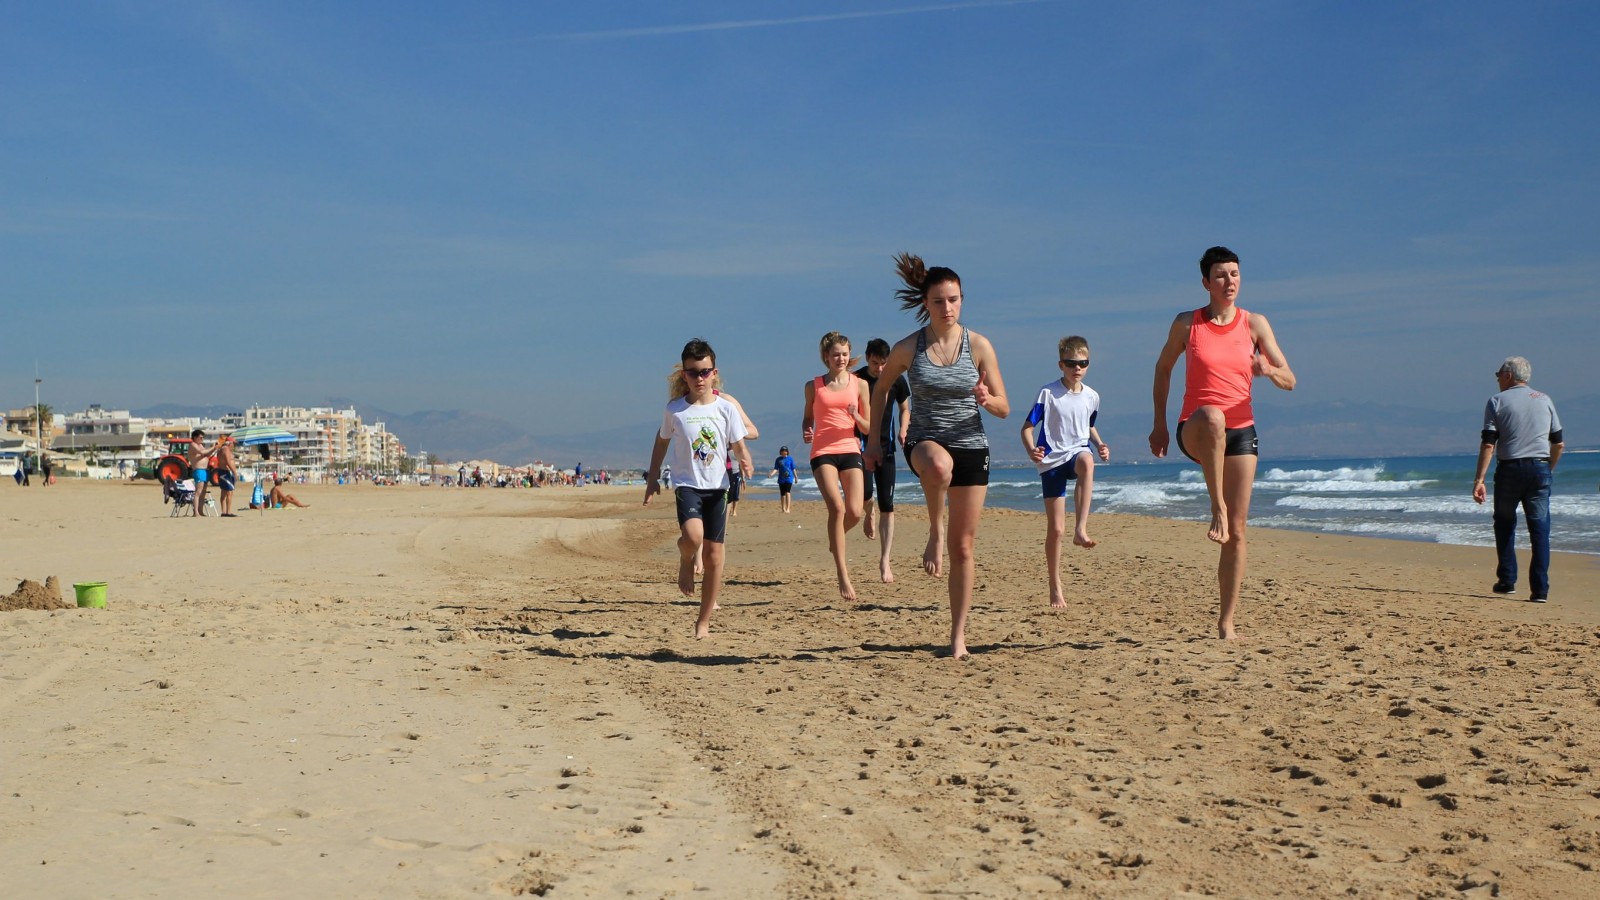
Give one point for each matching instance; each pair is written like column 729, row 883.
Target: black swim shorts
column 710, row 507
column 969, row 468
column 840, row 461
column 1237, row 441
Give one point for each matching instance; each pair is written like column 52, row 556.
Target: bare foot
column 933, row 557
column 1219, row 526
column 847, row 591
column 868, row 529
column 885, row 572
column 702, row 631
column 686, row 573
column 1057, row 601
column 1083, row 540
column 1227, row 633
column 958, row 649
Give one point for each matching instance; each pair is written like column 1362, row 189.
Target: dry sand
column 429, row 692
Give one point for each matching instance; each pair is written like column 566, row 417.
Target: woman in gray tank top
column 953, row 373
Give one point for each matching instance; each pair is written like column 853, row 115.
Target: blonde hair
column 833, row 339
column 1073, row 343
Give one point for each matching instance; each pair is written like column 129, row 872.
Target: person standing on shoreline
column 1227, row 347
column 783, row 469
column 1522, row 431
column 953, row 372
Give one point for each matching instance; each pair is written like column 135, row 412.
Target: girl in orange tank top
column 836, row 408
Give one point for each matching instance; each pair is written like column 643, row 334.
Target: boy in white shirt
column 703, row 429
column 1058, row 434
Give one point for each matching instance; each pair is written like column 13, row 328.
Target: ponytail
column 917, row 278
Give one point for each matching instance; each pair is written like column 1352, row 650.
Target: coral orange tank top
column 833, row 427
column 1220, row 368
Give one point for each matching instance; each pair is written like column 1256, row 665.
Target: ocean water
column 1420, row 498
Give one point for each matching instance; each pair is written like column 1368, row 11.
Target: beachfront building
column 21, row 421
column 108, row 436
column 326, row 438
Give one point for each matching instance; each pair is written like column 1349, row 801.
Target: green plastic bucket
column 91, row 594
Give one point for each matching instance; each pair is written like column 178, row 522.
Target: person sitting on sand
column 279, row 498
column 954, row 372
column 836, row 408
column 1057, row 436
column 1227, row 347
column 702, row 429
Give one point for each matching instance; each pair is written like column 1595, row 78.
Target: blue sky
column 527, row 208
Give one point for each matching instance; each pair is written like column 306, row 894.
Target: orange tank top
column 833, row 427
column 1220, row 368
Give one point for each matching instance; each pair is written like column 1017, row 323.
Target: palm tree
column 41, row 413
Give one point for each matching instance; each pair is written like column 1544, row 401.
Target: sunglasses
column 1076, row 363
column 698, row 374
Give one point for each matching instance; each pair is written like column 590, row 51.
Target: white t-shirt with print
column 701, row 434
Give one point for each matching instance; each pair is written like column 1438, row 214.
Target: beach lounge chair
column 180, row 494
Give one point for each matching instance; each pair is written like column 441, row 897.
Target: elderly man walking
column 1522, row 430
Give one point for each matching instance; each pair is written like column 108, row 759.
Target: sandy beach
column 425, row 692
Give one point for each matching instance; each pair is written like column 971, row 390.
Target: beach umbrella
column 253, row 435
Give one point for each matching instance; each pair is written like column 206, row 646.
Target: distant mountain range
column 1312, row 430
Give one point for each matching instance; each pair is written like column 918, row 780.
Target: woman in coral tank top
column 1227, row 348
column 836, row 408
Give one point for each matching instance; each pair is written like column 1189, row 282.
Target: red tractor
column 173, row 467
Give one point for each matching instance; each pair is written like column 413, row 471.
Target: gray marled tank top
column 943, row 409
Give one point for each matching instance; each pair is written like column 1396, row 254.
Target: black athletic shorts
column 1237, row 442
column 840, row 461
column 784, row 487
column 735, row 485
column 710, row 507
column 970, row 468
column 883, row 479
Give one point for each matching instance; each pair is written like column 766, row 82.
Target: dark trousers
column 1525, row 483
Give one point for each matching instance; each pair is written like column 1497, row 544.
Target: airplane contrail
column 660, row 30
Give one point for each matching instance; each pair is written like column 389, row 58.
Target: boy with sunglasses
column 1057, row 435
column 703, row 428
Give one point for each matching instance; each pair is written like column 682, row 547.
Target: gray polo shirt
column 1521, row 423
